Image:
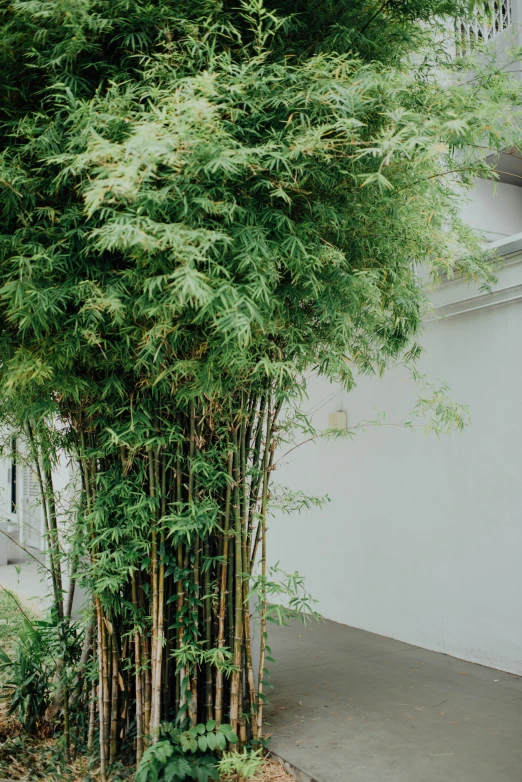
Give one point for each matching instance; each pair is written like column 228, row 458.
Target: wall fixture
column 337, row 420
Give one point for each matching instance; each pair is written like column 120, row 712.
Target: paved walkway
column 25, row 576
column 348, row 705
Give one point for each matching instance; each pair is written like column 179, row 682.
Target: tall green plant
column 201, row 203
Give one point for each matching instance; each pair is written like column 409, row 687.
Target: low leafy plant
column 187, row 754
column 26, row 757
column 39, row 666
column 239, row 766
column 12, row 619
column 27, row 683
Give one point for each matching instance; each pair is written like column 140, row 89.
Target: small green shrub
column 11, row 619
column 42, row 659
column 27, row 683
column 240, row 766
column 182, row 755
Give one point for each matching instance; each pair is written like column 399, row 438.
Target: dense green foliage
column 259, row 201
column 28, row 675
column 13, row 618
column 185, row 755
column 201, row 202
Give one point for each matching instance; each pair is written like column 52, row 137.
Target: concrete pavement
column 351, row 706
column 25, row 575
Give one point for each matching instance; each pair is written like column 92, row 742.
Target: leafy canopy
column 201, row 195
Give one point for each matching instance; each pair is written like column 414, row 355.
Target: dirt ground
column 273, row 771
column 25, row 758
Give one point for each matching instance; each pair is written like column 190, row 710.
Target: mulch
column 272, row 771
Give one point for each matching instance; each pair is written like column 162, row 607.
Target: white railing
column 489, row 19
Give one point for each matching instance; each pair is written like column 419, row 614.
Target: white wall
column 5, row 509
column 495, row 209
column 32, row 521
column 5, row 491
column 422, row 539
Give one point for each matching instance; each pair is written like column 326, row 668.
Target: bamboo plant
column 202, row 203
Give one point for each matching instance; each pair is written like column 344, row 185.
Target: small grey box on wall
column 337, row 420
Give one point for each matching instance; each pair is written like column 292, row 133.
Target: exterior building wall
column 7, row 519
column 422, row 537
column 26, row 524
column 495, row 209
column 480, row 28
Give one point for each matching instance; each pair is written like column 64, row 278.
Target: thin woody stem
column 262, row 523
column 238, row 617
column 223, row 592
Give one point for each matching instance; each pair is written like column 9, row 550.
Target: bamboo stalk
column 53, row 526
column 166, row 675
column 242, row 730
column 50, row 520
column 147, row 688
column 238, row 615
column 54, row 560
column 262, row 526
column 209, row 568
column 230, row 596
column 266, row 471
column 256, row 466
column 163, row 662
column 155, row 640
column 101, row 682
column 138, row 678
column 72, row 588
column 179, row 606
column 179, row 586
column 92, row 716
column 223, row 592
column 194, row 700
column 193, row 705
column 87, row 649
column 208, row 636
column 250, row 671
column 66, row 724
column 261, row 523
column 113, row 743
column 88, row 480
column 105, row 688
column 250, row 677
column 159, row 646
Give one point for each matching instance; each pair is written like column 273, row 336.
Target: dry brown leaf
column 273, row 771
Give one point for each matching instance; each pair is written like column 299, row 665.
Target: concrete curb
column 300, row 776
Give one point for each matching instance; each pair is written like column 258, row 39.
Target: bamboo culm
column 174, row 640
